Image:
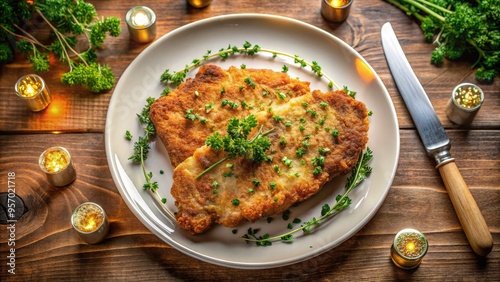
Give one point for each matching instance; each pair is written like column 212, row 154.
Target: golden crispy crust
column 211, row 86
column 311, row 127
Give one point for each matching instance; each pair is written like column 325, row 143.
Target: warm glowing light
column 88, row 218
column 32, row 90
column 468, row 96
column 338, row 3
column 410, row 247
column 57, row 107
column 140, row 19
column 364, row 71
column 55, row 160
column 90, row 224
column 29, row 88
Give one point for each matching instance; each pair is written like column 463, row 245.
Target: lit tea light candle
column 408, row 248
column 199, row 3
column 336, row 10
column 141, row 22
column 57, row 165
column 32, row 90
column 90, row 222
column 466, row 100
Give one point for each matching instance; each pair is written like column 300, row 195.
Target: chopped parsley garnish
column 128, row 135
column 250, row 82
column 286, row 161
column 301, row 151
column 255, row 182
column 190, row 115
column 335, row 133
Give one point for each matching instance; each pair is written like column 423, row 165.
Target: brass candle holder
column 141, row 22
column 90, row 222
column 57, row 165
column 336, row 10
column 408, row 248
column 465, row 101
column 32, row 90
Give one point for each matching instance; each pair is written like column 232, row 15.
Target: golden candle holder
column 90, row 222
column 336, row 10
column 465, row 101
column 32, row 90
column 141, row 22
column 57, row 165
column 408, row 248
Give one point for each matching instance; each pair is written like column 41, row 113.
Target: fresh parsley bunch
column 460, row 29
column 70, row 22
column 236, row 142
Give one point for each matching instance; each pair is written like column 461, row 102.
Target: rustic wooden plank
column 47, row 248
column 70, row 110
column 47, row 245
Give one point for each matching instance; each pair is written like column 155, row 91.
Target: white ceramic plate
column 178, row 48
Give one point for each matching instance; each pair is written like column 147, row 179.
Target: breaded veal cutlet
column 317, row 136
column 202, row 105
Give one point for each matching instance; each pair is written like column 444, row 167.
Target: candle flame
column 29, row 90
column 411, row 244
column 29, row 87
column 55, row 160
column 338, row 3
column 410, row 247
column 90, row 223
column 88, row 218
column 140, row 19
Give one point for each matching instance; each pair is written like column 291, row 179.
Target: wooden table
column 46, row 247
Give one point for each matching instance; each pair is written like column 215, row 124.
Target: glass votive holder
column 408, row 248
column 466, row 100
column 199, row 3
column 57, row 165
column 32, row 90
column 141, row 22
column 90, row 222
column 336, row 10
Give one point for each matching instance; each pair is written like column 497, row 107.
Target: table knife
column 436, row 142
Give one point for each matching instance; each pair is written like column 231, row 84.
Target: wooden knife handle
column 468, row 212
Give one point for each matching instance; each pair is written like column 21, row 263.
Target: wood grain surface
column 47, row 248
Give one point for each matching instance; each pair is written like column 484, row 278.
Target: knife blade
column 436, row 143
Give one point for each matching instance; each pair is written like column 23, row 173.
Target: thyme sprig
column 141, row 149
column 249, row 49
column 360, row 172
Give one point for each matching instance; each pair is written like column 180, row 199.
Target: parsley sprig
column 71, row 24
column 249, row 49
column 236, row 142
column 360, row 172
